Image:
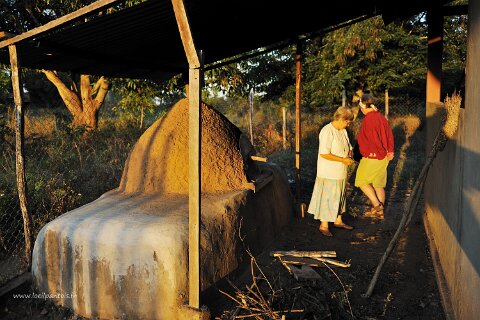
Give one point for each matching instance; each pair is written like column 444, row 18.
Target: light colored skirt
column 328, row 199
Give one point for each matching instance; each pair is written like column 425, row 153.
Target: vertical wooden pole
column 195, row 63
column 386, row 103
column 284, row 127
column 344, row 97
column 250, row 99
column 194, row 180
column 434, row 55
column 20, row 159
column 298, row 129
column 434, row 76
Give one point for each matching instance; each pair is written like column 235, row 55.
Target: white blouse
column 336, row 142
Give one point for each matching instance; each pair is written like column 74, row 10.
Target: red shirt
column 375, row 138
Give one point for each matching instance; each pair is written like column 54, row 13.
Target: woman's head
column 343, row 113
column 367, row 101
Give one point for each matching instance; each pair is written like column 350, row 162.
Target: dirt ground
column 406, row 287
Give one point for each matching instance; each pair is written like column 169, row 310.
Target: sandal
column 375, row 212
column 343, row 226
column 326, row 232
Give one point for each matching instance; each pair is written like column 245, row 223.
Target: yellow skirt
column 372, row 171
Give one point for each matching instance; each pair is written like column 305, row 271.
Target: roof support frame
column 194, row 92
column 19, row 151
column 78, row 14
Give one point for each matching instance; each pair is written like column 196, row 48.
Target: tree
column 83, row 104
column 270, row 74
column 19, row 16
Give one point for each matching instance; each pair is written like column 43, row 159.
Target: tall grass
column 65, row 170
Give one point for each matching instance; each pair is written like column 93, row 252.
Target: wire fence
column 68, row 166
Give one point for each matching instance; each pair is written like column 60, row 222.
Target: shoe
column 375, row 212
column 326, row 233
column 343, row 226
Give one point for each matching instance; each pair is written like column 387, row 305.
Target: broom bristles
column 449, row 121
column 452, row 106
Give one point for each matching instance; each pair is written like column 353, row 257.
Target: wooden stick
column 285, row 265
column 302, row 260
column 334, row 262
column 309, row 254
column 440, row 140
column 257, row 158
column 393, row 242
column 267, row 313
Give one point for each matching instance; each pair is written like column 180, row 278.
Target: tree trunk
column 83, row 105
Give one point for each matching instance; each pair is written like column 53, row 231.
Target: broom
column 447, row 131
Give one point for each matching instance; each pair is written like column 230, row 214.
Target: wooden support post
column 298, row 129
column 195, row 62
column 20, row 159
column 434, row 74
column 194, row 184
column 434, row 55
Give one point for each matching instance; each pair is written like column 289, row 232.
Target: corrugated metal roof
column 144, row 42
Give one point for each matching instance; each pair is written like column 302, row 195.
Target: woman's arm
column 332, row 157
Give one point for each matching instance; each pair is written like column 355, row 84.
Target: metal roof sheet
column 143, row 41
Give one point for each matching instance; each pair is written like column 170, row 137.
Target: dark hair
column 367, row 100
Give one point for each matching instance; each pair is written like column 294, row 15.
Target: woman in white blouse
column 334, row 156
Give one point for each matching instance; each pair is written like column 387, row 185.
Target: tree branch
column 69, row 97
column 103, row 87
column 85, row 89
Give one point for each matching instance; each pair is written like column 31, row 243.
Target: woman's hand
column 348, row 161
column 390, row 155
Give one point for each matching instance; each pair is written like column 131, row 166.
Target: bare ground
column 406, row 288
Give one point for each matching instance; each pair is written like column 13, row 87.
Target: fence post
column 19, row 154
column 298, row 128
column 284, row 127
column 251, row 115
column 386, row 103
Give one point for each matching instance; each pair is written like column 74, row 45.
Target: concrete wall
column 452, row 192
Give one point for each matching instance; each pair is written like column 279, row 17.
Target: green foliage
column 5, row 89
column 367, row 55
column 455, row 53
column 138, row 101
column 269, row 74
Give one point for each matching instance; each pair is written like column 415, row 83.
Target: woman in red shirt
column 375, row 140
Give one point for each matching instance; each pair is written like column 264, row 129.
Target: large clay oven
column 125, row 255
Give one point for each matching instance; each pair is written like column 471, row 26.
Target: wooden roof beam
column 80, row 13
column 185, row 34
